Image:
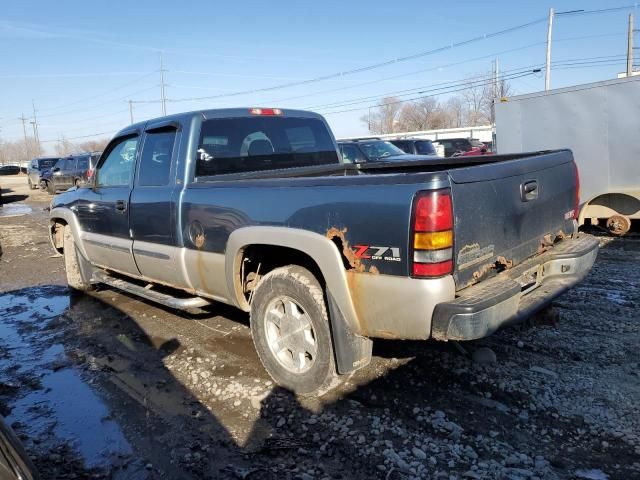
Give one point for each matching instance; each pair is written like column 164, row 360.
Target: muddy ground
column 109, row 386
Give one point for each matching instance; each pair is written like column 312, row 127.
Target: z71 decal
column 368, row 252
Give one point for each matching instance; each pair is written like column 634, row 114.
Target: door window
column 350, row 153
column 117, row 168
column 155, row 164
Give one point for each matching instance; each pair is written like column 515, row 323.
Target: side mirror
column 56, row 169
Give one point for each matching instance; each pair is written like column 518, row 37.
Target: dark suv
column 375, row 150
column 70, row 171
column 418, row 146
column 462, row 146
column 36, row 167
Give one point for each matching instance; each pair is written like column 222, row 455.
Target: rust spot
column 504, row 262
column 202, row 274
column 483, row 270
column 501, row 263
column 336, row 235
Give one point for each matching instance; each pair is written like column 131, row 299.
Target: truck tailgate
column 509, row 211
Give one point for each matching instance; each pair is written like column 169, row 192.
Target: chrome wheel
column 290, row 334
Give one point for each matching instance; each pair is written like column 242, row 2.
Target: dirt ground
column 108, row 386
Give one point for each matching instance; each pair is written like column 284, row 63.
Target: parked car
column 375, row 150
column 463, row 146
column 256, row 208
column 74, row 170
column 416, row 146
column 36, row 167
column 9, row 170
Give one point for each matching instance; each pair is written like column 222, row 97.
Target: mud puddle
column 43, row 396
column 14, row 210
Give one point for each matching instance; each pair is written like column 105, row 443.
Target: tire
column 303, row 362
column 50, row 189
column 72, row 261
column 31, row 187
column 77, row 182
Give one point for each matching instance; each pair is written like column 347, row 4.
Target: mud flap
column 352, row 351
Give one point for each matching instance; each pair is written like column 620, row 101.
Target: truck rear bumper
column 515, row 294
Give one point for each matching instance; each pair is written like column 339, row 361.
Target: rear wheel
column 290, row 329
column 72, row 259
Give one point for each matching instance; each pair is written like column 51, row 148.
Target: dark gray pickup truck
column 255, row 208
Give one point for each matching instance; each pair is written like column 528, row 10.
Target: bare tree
column 67, row 147
column 385, row 118
column 471, row 107
column 18, row 151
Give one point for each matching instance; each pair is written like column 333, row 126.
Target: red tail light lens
column 90, row 173
column 433, row 212
column 576, row 204
column 432, row 234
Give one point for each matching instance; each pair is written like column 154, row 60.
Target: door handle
column 529, row 191
column 121, row 205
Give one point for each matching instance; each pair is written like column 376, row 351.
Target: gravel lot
column 108, row 386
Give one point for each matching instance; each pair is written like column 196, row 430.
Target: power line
column 103, row 93
column 426, row 96
column 111, row 132
column 463, row 84
column 98, row 104
column 374, row 66
column 444, row 85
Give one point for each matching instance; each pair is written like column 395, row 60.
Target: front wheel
column 290, row 329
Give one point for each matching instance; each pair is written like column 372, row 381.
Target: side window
column 117, row 168
column 83, row 163
column 62, row 164
column 349, row 153
column 155, row 163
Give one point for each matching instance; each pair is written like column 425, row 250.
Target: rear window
column 46, row 163
column 249, row 144
column 424, row 147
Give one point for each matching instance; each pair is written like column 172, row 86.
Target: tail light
column 432, row 234
column 265, row 111
column 90, row 173
column 576, row 203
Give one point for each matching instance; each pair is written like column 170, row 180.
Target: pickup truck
column 256, row 208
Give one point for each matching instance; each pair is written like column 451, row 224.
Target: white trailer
column 600, row 123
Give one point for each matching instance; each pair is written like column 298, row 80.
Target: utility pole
column 547, row 73
column 162, row 97
column 35, row 135
column 630, row 47
column 23, row 119
column 496, row 90
column 131, row 110
column 35, row 127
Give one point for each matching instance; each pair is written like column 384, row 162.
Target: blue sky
column 80, row 61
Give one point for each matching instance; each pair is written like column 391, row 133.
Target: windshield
column 380, row 149
column 44, row 163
